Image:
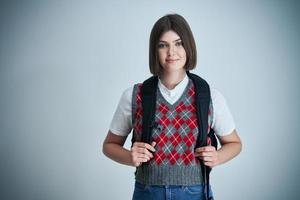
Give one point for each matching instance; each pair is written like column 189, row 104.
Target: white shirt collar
column 179, row 88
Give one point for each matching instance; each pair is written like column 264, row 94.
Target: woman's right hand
column 141, row 152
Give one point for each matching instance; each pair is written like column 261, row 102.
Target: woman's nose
column 171, row 50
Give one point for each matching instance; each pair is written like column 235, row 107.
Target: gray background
column 64, row 66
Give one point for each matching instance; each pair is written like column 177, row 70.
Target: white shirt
column 222, row 120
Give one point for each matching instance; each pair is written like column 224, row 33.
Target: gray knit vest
column 175, row 135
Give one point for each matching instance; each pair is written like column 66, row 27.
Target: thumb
column 153, row 143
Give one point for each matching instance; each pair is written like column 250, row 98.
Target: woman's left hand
column 208, row 154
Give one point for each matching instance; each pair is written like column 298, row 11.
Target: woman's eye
column 178, row 44
column 161, row 45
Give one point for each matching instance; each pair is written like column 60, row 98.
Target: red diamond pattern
column 189, row 139
column 180, row 107
column 173, row 157
column 191, row 108
column 164, row 121
column 138, row 114
column 161, row 140
column 192, row 122
column 159, row 157
column 163, row 108
column 191, row 92
column 175, row 139
column 188, row 157
column 139, row 96
column 138, row 128
column 177, row 122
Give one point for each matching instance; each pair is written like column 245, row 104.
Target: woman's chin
column 171, row 69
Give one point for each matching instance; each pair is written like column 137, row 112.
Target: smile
column 171, row 60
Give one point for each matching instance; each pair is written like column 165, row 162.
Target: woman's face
column 172, row 55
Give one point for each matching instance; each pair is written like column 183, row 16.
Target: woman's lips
column 171, row 60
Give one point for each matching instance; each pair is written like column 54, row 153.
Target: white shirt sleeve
column 121, row 123
column 222, row 122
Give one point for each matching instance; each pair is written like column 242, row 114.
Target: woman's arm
column 231, row 146
column 113, row 148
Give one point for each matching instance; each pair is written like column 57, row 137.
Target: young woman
column 168, row 167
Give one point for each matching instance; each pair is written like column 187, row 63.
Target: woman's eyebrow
column 173, row 41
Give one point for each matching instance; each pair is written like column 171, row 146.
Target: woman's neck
column 171, row 79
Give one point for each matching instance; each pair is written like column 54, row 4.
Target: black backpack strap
column 203, row 98
column 148, row 90
column 148, row 96
column 205, row 169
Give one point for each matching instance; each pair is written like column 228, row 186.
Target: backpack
column 203, row 97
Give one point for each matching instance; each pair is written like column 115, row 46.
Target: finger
column 138, row 144
column 142, row 160
column 207, row 159
column 202, row 153
column 210, row 148
column 150, row 147
column 144, row 156
column 153, row 144
column 145, row 145
column 144, row 151
column 204, row 158
column 209, row 164
column 139, row 159
column 207, row 154
column 197, row 155
column 206, row 148
column 199, row 149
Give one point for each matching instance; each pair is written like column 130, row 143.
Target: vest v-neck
column 179, row 99
column 172, row 95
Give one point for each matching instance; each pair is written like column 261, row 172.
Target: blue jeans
column 169, row 192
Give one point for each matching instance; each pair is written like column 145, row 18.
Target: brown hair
column 179, row 25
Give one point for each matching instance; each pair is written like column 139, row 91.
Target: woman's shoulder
column 127, row 92
column 217, row 97
column 215, row 92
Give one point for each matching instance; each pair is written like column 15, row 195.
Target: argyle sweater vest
column 175, row 134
